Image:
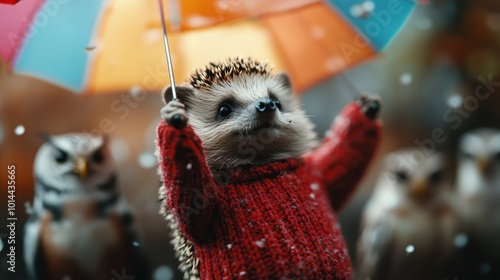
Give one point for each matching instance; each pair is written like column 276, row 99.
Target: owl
column 409, row 223
column 80, row 226
column 478, row 185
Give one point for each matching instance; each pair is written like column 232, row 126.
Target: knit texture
column 273, row 221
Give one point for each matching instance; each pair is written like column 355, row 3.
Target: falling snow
column 460, row 240
column 455, row 101
column 229, row 246
column 312, row 196
column 410, row 249
column 200, row 21
column 136, row 91
column 314, row 186
column 406, row 79
column 1, row 245
column 363, row 10
column 147, row 160
column 163, row 272
column 119, row 150
column 334, row 64
column 424, row 24
column 318, row 32
column 19, row 130
column 135, row 243
column 260, row 243
column 242, row 273
column 152, row 36
column 189, row 166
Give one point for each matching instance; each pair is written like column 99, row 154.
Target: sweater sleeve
column 188, row 181
column 345, row 153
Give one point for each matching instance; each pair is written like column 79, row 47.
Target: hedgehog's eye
column 61, row 156
column 98, row 157
column 225, row 111
column 276, row 102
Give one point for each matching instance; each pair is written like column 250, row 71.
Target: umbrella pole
column 167, row 50
column 176, row 120
column 356, row 93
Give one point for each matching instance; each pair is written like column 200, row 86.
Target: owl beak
column 81, row 167
column 419, row 190
column 484, row 165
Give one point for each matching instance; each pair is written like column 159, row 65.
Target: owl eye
column 225, row 111
column 98, row 157
column 402, row 176
column 61, row 156
column 437, row 176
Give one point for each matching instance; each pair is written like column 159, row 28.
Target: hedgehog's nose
column 265, row 106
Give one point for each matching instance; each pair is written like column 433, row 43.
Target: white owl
column 409, row 223
column 478, row 184
column 79, row 226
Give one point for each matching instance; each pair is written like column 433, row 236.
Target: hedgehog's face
column 248, row 119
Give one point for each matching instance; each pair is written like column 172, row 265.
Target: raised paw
column 370, row 105
column 174, row 113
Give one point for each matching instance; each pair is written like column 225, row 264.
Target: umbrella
column 98, row 46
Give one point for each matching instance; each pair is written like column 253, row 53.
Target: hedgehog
column 248, row 190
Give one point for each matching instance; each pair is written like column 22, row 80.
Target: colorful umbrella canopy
column 99, row 46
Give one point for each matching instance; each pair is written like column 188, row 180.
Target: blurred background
column 427, row 78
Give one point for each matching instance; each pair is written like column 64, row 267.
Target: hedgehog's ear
column 184, row 94
column 284, row 80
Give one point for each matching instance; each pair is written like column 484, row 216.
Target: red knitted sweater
column 274, row 221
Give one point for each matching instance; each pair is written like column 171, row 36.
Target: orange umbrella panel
column 316, row 43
